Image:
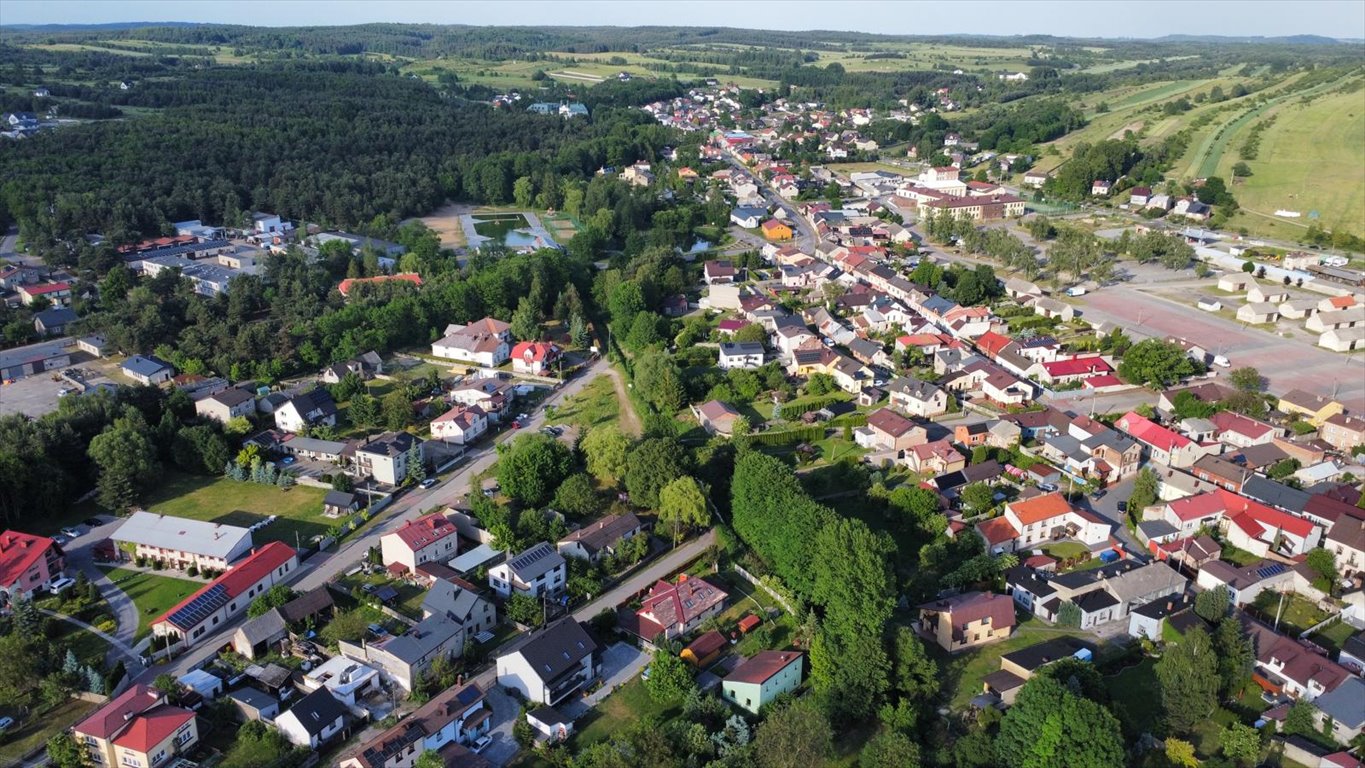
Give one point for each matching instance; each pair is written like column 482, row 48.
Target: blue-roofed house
column 147, row 370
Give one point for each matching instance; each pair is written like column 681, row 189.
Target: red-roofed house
column 137, row 728
column 936, row 458
column 28, row 563
column 1287, row 664
column 719, row 272
column 349, row 284
column 730, row 325
column 990, row 343
column 1164, row 446
column 762, row 678
column 460, row 425
column 967, row 620
column 226, row 596
column 426, row 539
column 1242, row 431
column 887, row 430
column 677, row 609
column 57, row 293
column 534, row 357
column 1041, row 519
column 1248, row 524
column 928, row 343
column 1074, row 369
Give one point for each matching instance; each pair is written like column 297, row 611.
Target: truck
column 1076, row 290
column 1221, row 361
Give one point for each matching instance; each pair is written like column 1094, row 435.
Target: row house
column 1164, row 446
column 1248, row 524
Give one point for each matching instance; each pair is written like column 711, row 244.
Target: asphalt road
column 1108, row 508
column 805, row 234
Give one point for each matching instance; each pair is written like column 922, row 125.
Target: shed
column 749, row 623
column 703, row 651
column 254, row 705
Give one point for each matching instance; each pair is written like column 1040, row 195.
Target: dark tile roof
column 318, row 710
column 556, row 648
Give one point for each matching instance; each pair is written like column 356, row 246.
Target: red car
column 516, row 425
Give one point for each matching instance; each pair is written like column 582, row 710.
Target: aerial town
column 602, row 402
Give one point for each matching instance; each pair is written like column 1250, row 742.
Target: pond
column 510, row 229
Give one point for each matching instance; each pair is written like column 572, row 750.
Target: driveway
column 505, row 712
column 1108, row 508
column 651, row 573
column 620, row 664
column 79, row 555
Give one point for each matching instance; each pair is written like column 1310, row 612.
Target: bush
column 790, row 436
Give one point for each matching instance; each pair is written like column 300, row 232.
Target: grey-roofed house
column 307, row 409
column 252, row 704
column 340, row 503
column 462, row 605
column 549, row 665
column 600, row 537
column 386, row 457
column 261, row 634
column 314, row 720
column 147, row 370
column 1020, row 666
column 538, row 570
column 1147, row 620
column 1344, row 708
column 1275, row 494
column 181, row 542
column 226, row 405
column 405, row 658
column 53, row 321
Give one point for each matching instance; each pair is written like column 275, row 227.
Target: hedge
column 789, row 436
column 792, row 410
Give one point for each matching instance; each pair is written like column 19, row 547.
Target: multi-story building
column 761, row 678
column 180, row 542
column 539, row 570
column 385, row 458
column 486, row 342
column 226, row 596
column 456, row 715
column 136, row 729
column 549, row 665
column 967, row 620
column 430, row 538
column 28, row 563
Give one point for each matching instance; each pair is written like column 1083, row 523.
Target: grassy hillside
column 1310, row 160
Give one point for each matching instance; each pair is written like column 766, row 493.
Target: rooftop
column 181, row 534
column 762, row 666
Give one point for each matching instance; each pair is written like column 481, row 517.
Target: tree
column 1144, row 492
column 978, row 497
column 431, row 758
column 576, row 496
column 1240, row 743
column 127, row 462
column 1301, row 720
column 1212, row 605
column 349, row 626
column 654, row 464
column 274, row 597
column 797, row 736
column 890, row 749
column 659, row 381
column 1181, row 753
column 1324, row 564
column 683, row 505
column 1247, row 379
column 1051, row 726
column 1157, row 363
column 604, row 450
column 524, row 609
column 64, row 752
column 397, row 409
column 1248, row 267
column 915, row 675
column 532, row 466
column 1188, row 677
column 167, row 684
column 578, row 331
column 670, row 678
column 1236, row 657
column 417, row 468
column 849, row 673
column 201, row 450
column 753, row 332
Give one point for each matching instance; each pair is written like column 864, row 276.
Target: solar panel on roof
column 201, row 607
column 1270, row 570
column 468, row 695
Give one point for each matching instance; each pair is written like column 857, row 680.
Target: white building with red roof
column 486, row 342
column 679, row 608
column 210, row 608
column 1041, row 519
column 28, row 563
column 535, row 357
column 1073, row 369
column 1163, row 446
column 57, row 293
column 1247, row 524
column 1242, row 431
column 427, row 539
column 460, row 425
column 137, row 728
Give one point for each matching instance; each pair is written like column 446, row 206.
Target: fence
column 774, row 594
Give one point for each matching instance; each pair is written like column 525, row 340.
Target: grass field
column 34, row 731
column 231, row 503
column 630, row 703
column 1310, row 159
column 595, row 405
column 1135, row 701
column 153, row 594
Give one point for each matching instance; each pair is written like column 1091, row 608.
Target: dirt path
column 630, row 420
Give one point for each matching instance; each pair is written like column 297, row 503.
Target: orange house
column 776, row 230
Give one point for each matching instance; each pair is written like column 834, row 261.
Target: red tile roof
column 535, row 351
column 1041, row 508
column 152, row 727
column 1078, row 365
column 425, row 531
column 1104, row 380
column 107, row 720
column 1145, row 430
column 762, row 666
column 966, row 609
column 707, row 644
column 1227, row 421
column 890, row 422
column 1251, row 516
column 18, row 552
column 990, row 343
column 997, row 531
column 241, row 577
column 672, row 604
column 46, row 288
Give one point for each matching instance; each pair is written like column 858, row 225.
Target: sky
column 1074, row 18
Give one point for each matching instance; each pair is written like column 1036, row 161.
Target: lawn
column 1297, row 615
column 1238, row 557
column 594, row 405
column 963, row 671
column 33, row 732
column 1136, row 701
column 151, row 593
column 630, row 702
column 232, row 503
column 1333, row 636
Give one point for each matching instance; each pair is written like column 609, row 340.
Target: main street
column 324, row 567
column 805, row 239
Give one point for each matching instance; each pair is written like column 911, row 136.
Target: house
column 136, row 728
column 1221, row 472
column 28, row 564
column 1343, row 339
column 967, row 620
column 1100, row 188
column 1343, row 432
column 146, row 370
column 405, row 658
column 887, row 430
column 551, row 724
column 1285, row 665
column 761, row 678
column 456, row 716
column 307, row 409
column 1138, row 196
column 1070, row 370
column 719, row 272
column 914, row 397
column 1147, row 621
column 458, row 601
column 314, row 720
column 1247, row 524
column 1163, row 446
column 52, row 322
column 1052, row 308
column 971, row 435
column 1035, row 179
column 936, row 458
column 1346, row 540
column 262, row 634
column 536, row 571
column 486, row 342
column 1258, row 314
column 1244, row 583
column 703, row 652
column 430, row 538
column 226, row 405
column 1265, row 293
column 1241, row 431
column 57, row 294
column 600, row 537
column 1016, row 288
column 252, row 704
column 1039, row 520
column 537, row 358
column 716, row 417
column 181, row 542
column 550, row 664
column 1209, row 304
column 1020, row 666
column 747, row 217
column 226, row 596
column 346, row 679
column 774, row 230
column 460, row 425
column 678, row 608
column 1315, row 408
column 740, row 354
column 386, row 457
column 1340, row 712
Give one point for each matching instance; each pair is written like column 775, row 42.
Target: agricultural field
column 1309, row 160
column 920, row 56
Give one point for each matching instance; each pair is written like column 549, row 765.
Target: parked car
column 1098, row 494
column 5, row 723
column 1047, row 487
column 1123, row 506
column 427, row 483
column 516, row 425
column 60, row 540
column 71, row 532
column 377, row 630
column 481, row 743
column 93, row 522
column 61, row 585
column 287, row 460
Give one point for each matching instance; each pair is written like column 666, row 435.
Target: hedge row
column 793, row 410
column 789, row 436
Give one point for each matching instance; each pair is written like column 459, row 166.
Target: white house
column 181, row 542
column 549, row 665
column 307, row 409
column 428, row 539
column 486, row 342
column 346, row 679
column 460, row 425
column 226, row 596
column 740, row 354
column 762, row 678
column 386, row 457
column 314, row 721
column 539, row 570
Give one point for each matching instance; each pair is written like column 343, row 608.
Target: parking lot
column 32, row 396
